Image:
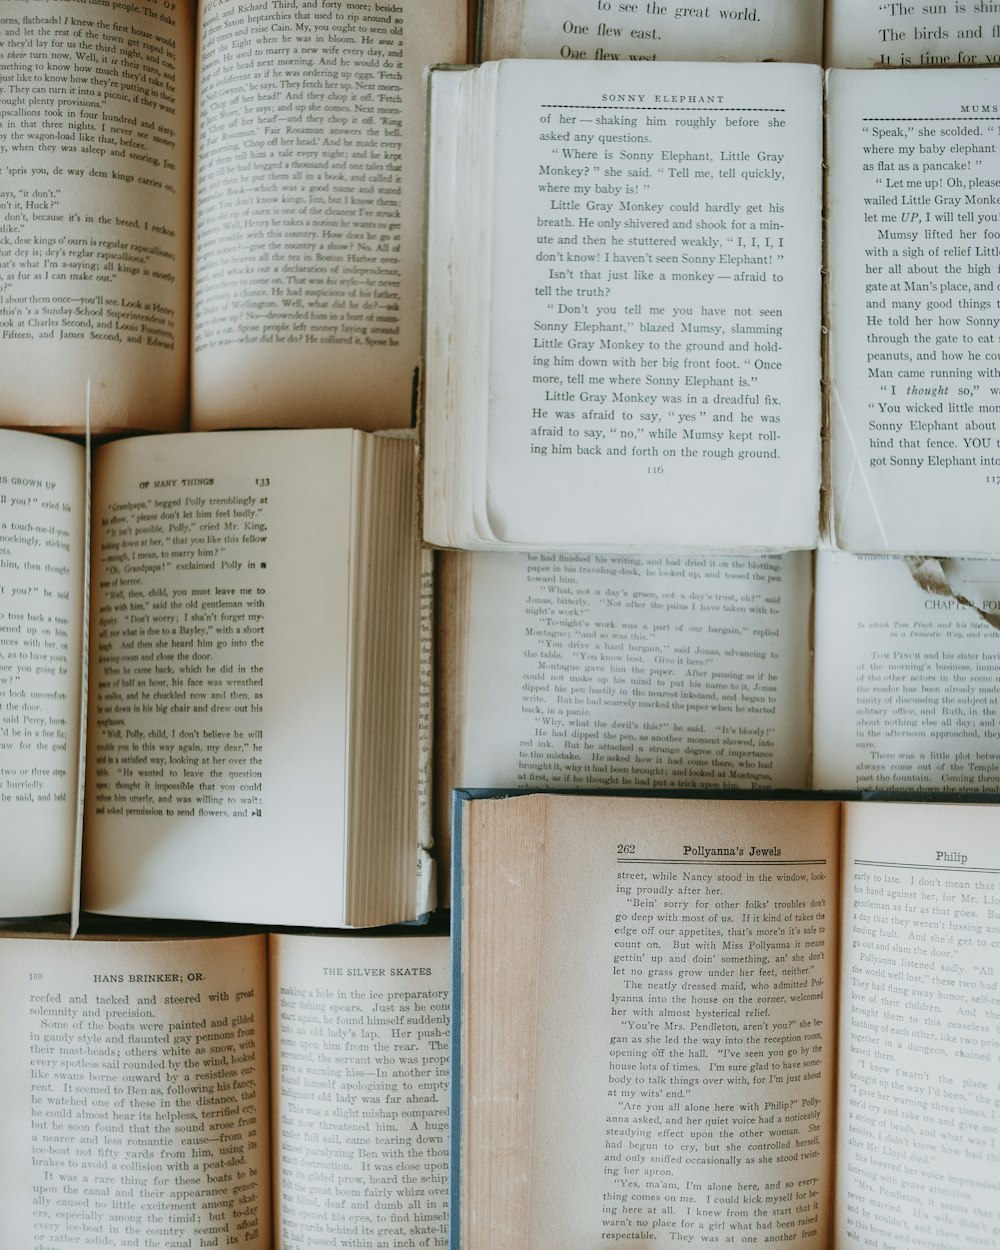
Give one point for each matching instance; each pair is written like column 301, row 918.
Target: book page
column 919, row 1100
column 906, row 675
column 914, row 230
column 134, row 1088
column 640, row 671
column 861, row 35
column 41, row 645
column 219, row 652
column 655, row 350
column 582, row 30
column 94, row 217
column 648, row 1011
column 309, row 210
column 360, row 1031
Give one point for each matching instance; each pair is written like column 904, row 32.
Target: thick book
column 697, row 1022
column 625, row 317
column 277, row 1092
column 231, row 191
column 253, row 607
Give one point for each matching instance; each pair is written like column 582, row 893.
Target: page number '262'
column 626, row 848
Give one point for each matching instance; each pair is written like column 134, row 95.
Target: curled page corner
column 929, row 573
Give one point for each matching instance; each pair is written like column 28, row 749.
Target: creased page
column 41, row 641
column 919, row 1142
column 360, row 1090
column 309, row 209
column 906, row 674
column 216, row 769
column 914, row 224
column 95, row 167
column 655, row 349
column 134, row 1088
column 579, row 30
column 648, row 1012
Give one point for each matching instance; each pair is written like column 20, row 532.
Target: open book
column 847, row 33
column 647, row 374
column 297, row 129
column 591, row 671
column 253, row 611
column 648, row 1000
column 273, row 1092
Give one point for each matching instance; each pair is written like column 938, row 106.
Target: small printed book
column 253, row 605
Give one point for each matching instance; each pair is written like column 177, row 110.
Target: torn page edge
column 930, row 575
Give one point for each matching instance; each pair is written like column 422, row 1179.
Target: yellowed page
column 95, row 167
column 919, row 1101
column 648, row 1014
column 861, row 36
column 41, row 644
column 581, row 30
column 309, row 214
column 912, row 244
column 359, row 1034
column 219, row 637
column 134, row 1088
column 906, row 675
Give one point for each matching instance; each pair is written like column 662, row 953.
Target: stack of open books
column 689, row 362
